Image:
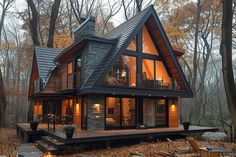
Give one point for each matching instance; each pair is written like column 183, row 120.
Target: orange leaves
column 8, row 142
column 62, row 41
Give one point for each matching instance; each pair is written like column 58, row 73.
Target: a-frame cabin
column 129, row 77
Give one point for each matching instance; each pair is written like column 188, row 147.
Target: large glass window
column 155, row 112
column 112, row 112
column 132, row 45
column 123, row 73
column 128, row 112
column 120, row 112
column 148, row 73
column 147, row 43
column 161, row 112
column 149, row 112
column 162, row 77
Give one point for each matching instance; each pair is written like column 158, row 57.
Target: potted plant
column 186, row 125
column 69, row 129
column 34, row 125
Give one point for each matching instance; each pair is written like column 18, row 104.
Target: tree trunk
column 34, row 23
column 53, row 18
column 3, row 101
column 226, row 54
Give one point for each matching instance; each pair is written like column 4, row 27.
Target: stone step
column 47, row 148
column 54, row 142
column 29, row 150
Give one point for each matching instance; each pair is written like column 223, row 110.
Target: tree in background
column 226, row 53
column 33, row 24
column 5, row 5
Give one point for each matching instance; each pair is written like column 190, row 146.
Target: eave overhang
column 73, row 48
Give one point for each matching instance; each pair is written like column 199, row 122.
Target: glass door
column 149, row 112
column 128, row 112
column 155, row 112
column 120, row 112
column 161, row 112
column 113, row 118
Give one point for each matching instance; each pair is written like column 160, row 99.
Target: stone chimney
column 87, row 28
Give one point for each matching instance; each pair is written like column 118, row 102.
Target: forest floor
column 9, row 144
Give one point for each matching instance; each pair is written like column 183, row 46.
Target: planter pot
column 34, row 125
column 69, row 132
column 186, row 125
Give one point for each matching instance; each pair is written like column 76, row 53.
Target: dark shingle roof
column 45, row 60
column 122, row 32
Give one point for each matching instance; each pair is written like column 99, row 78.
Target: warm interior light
column 173, row 107
column 97, row 107
column 77, row 106
column 48, row 154
column 123, row 73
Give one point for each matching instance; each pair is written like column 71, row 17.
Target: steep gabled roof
column 123, row 32
column 45, row 61
column 126, row 33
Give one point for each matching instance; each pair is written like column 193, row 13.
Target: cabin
column 127, row 78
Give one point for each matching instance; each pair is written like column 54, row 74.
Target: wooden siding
column 173, row 113
column 34, row 76
column 64, row 77
column 77, row 113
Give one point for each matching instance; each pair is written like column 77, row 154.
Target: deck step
column 53, row 142
column 46, row 148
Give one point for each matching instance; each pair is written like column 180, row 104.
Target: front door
column 155, row 112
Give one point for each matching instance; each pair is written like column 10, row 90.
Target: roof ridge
column 107, row 34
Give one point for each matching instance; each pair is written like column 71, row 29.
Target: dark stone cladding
column 87, row 28
column 95, row 120
column 92, row 55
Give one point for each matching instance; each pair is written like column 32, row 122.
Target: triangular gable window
column 132, row 46
column 154, row 75
column 147, row 43
column 123, row 73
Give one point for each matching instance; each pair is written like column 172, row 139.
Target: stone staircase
column 48, row 144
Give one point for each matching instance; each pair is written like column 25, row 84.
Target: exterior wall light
column 173, row 106
column 97, row 107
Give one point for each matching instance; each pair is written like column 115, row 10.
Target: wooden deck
column 82, row 136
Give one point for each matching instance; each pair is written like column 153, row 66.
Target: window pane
column 162, row 77
column 132, row 45
column 148, row 46
column 149, row 112
column 112, row 111
column 148, row 73
column 123, row 73
column 69, row 68
column 78, row 72
column 161, row 112
column 128, row 112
